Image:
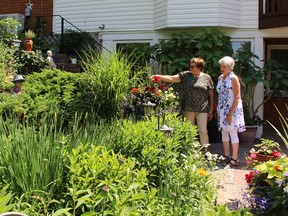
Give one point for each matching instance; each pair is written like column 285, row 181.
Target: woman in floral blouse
column 230, row 110
column 198, row 95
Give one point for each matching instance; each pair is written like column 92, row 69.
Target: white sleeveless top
column 225, row 101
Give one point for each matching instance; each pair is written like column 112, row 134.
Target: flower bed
column 268, row 188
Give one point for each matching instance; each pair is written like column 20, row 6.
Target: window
column 278, row 53
column 136, row 51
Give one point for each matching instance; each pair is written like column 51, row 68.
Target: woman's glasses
column 193, row 66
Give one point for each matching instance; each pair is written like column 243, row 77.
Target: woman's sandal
column 226, row 160
column 234, row 163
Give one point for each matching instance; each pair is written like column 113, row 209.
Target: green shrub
column 47, row 93
column 109, row 77
column 29, row 62
column 173, row 163
column 8, row 30
column 102, row 182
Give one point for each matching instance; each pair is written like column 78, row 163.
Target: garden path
column 231, row 182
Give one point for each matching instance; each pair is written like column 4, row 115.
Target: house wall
column 39, row 8
column 124, row 15
column 249, row 14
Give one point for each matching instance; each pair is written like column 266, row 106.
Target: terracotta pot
column 248, row 136
column 28, row 45
column 262, row 157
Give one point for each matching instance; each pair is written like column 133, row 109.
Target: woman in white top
column 230, row 110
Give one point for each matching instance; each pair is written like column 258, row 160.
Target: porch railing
column 90, row 40
column 273, row 13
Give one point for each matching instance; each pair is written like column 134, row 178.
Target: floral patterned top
column 225, row 101
column 195, row 92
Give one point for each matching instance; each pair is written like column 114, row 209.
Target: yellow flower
column 202, row 172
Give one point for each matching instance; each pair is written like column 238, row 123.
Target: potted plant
column 28, row 41
column 250, row 75
column 266, row 150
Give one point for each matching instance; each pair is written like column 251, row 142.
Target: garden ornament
column 13, row 214
column 18, row 78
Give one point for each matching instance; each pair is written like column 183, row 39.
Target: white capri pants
column 233, row 135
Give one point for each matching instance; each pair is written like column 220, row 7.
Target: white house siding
column 160, row 14
column 249, row 14
column 187, row 13
column 116, row 15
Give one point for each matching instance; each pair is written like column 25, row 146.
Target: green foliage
column 277, row 85
column 73, row 42
column 8, row 62
column 267, row 186
column 213, row 45
column 29, row 34
column 47, row 93
column 29, row 62
column 5, row 200
column 8, row 30
column 105, row 183
column 284, row 123
column 267, row 146
column 173, row 163
column 222, row 210
column 174, row 54
column 138, row 54
column 99, row 90
column 250, row 75
column 31, row 157
column 55, row 91
column 117, row 167
column 109, row 79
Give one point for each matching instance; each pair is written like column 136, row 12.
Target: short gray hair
column 227, row 60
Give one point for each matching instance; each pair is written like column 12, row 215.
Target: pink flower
column 253, row 155
column 276, row 154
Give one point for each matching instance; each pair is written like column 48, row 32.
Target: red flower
column 276, row 154
column 164, row 87
column 135, row 90
column 155, row 79
column 277, row 168
column 153, row 90
column 249, row 177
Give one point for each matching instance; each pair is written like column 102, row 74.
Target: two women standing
column 198, row 99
